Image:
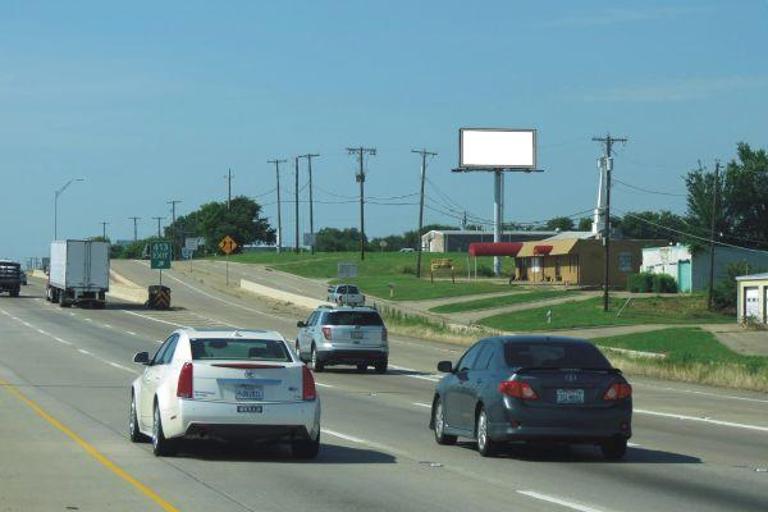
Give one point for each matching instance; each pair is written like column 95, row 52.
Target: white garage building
column 753, row 297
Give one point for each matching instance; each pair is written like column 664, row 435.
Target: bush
column 640, row 283
column 485, row 271
column 408, row 269
column 664, row 283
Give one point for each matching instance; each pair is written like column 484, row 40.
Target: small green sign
column 160, row 255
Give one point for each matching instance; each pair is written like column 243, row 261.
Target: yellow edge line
column 90, row 449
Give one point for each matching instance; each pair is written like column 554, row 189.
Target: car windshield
column 347, row 289
column 353, row 318
column 239, row 349
column 552, row 354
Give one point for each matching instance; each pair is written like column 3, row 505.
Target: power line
column 648, row 191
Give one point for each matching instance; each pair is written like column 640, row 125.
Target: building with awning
column 578, row 261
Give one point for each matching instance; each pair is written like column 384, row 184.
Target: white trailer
column 79, row 273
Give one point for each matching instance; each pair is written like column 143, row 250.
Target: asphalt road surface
column 64, row 383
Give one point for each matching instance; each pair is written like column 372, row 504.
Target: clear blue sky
column 152, row 101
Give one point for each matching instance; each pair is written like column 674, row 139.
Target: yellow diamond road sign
column 227, row 245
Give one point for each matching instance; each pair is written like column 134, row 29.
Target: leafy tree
column 650, row 225
column 561, row 223
column 337, row 240
column 585, row 224
column 213, row 221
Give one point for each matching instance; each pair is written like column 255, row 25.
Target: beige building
column 579, row 261
column 752, row 301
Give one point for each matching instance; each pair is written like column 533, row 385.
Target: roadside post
column 227, row 246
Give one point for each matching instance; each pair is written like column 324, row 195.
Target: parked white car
column 345, row 294
column 231, row 384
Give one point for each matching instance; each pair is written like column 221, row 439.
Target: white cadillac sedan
column 230, row 384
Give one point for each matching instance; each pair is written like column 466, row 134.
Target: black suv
column 10, row 277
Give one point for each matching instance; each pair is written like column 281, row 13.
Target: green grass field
column 380, row 270
column 499, row 301
column 589, row 313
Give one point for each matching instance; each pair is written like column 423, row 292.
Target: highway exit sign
column 160, row 255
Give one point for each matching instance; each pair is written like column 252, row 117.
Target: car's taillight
column 308, row 391
column 518, row 389
column 618, row 391
column 384, row 335
column 327, row 333
column 184, row 387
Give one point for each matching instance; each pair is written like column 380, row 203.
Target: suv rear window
column 352, row 290
column 239, row 349
column 552, row 354
column 353, row 318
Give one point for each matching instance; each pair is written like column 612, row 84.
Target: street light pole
column 56, row 195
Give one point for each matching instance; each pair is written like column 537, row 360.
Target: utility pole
column 104, row 229
column 229, row 188
column 135, row 228
column 309, row 157
column 360, row 152
column 424, row 154
column 296, row 195
column 174, row 229
column 173, row 203
column 159, row 219
column 713, row 215
column 277, row 163
column 606, row 163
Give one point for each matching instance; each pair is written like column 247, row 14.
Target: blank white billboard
column 491, row 148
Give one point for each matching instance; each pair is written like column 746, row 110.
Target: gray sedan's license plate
column 570, row 396
column 357, row 335
column 249, row 408
column 248, row 392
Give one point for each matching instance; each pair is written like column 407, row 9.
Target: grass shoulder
column 500, row 301
column 680, row 309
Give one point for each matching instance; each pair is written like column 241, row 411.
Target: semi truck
column 10, row 277
column 78, row 273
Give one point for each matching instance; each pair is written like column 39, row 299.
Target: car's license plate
column 249, row 408
column 248, row 392
column 570, row 396
column 357, row 335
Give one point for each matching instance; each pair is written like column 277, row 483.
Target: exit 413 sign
column 160, row 255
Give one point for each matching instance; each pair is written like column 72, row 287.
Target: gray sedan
column 533, row 388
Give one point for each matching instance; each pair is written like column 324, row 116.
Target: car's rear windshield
column 347, row 289
column 353, row 318
column 239, row 349
column 553, row 354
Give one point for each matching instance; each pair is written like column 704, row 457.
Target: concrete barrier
column 272, row 293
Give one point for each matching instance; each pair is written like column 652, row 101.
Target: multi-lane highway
column 64, row 377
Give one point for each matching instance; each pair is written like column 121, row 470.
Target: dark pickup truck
column 10, row 277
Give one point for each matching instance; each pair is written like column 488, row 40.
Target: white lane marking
column 633, row 445
column 151, row 318
column 107, row 326
column 702, row 420
column 558, row 501
column 346, row 437
column 88, row 319
column 420, row 404
column 84, row 352
column 131, row 333
column 159, row 341
column 121, row 367
column 65, row 342
column 702, row 393
column 42, row 331
column 246, row 308
column 366, row 442
column 429, row 377
column 324, row 385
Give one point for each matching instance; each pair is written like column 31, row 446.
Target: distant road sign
column 186, row 253
column 227, row 245
column 347, row 270
column 194, row 243
column 160, row 255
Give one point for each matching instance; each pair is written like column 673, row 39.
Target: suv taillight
column 327, row 333
column 184, row 387
column 518, row 389
column 384, row 335
column 618, row 391
column 308, row 390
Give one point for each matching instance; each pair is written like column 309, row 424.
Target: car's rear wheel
column 134, row 433
column 381, row 367
column 306, row 448
column 438, row 421
column 15, row 292
column 614, row 449
column 161, row 446
column 362, row 368
column 316, row 365
column 485, row 445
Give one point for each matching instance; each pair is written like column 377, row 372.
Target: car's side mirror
column 300, row 324
column 445, row 366
column 141, row 358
